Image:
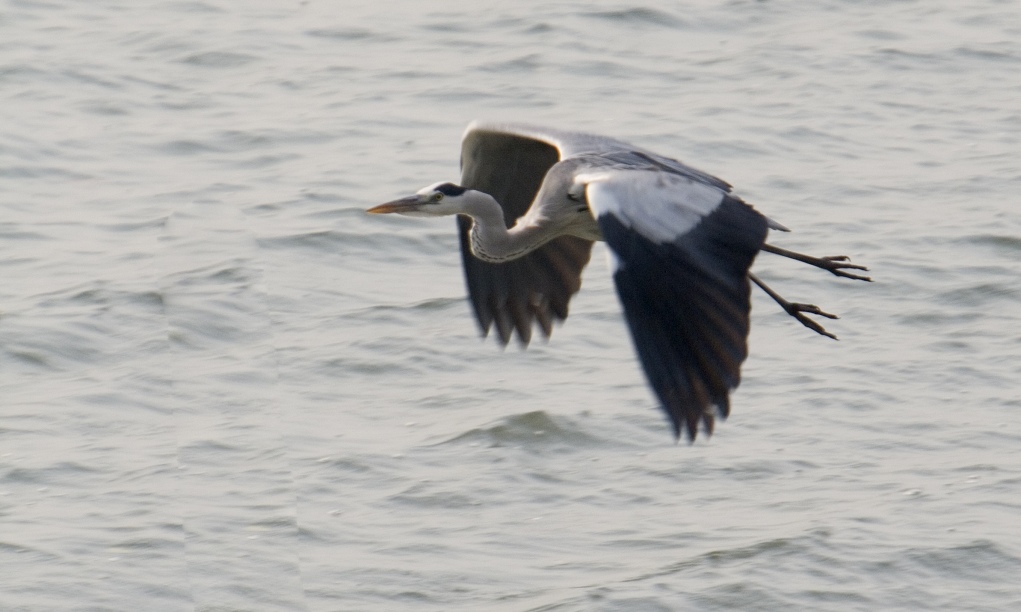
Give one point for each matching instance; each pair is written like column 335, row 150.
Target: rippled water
column 224, row 387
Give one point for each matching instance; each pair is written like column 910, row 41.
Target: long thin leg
column 796, row 310
column 835, row 264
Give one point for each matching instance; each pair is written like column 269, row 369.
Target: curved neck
column 491, row 240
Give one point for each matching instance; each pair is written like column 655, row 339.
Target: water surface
column 225, row 387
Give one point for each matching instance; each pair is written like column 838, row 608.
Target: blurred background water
column 224, row 387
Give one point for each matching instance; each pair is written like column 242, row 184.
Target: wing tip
column 686, row 422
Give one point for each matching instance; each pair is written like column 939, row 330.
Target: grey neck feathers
column 491, row 240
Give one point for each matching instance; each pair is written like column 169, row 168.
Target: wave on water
column 535, row 430
column 220, row 59
column 1008, row 244
column 640, row 16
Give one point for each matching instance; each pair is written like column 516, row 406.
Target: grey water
column 225, row 387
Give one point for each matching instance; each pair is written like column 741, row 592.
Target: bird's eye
column 437, row 196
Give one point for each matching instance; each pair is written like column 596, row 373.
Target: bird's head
column 436, row 200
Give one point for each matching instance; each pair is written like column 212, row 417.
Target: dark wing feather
column 536, row 287
column 687, row 304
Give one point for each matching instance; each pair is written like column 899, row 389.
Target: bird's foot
column 798, row 311
column 838, row 263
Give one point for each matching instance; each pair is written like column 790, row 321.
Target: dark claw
column 795, row 310
column 838, row 263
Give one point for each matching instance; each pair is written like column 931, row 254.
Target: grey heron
column 530, row 203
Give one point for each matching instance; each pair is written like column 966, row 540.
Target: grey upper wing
column 636, row 157
column 510, row 166
column 573, row 144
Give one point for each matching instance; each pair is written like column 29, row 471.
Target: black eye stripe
column 450, row 189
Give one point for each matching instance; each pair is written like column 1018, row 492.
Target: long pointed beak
column 404, row 205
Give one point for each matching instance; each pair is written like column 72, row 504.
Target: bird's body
column 531, row 202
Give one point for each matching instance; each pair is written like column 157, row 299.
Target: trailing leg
column 797, row 310
column 835, row 264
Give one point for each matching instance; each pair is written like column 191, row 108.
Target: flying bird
column 530, row 203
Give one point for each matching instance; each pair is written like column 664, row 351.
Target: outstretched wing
column 680, row 252
column 510, row 166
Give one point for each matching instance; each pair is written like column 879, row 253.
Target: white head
column 436, row 200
